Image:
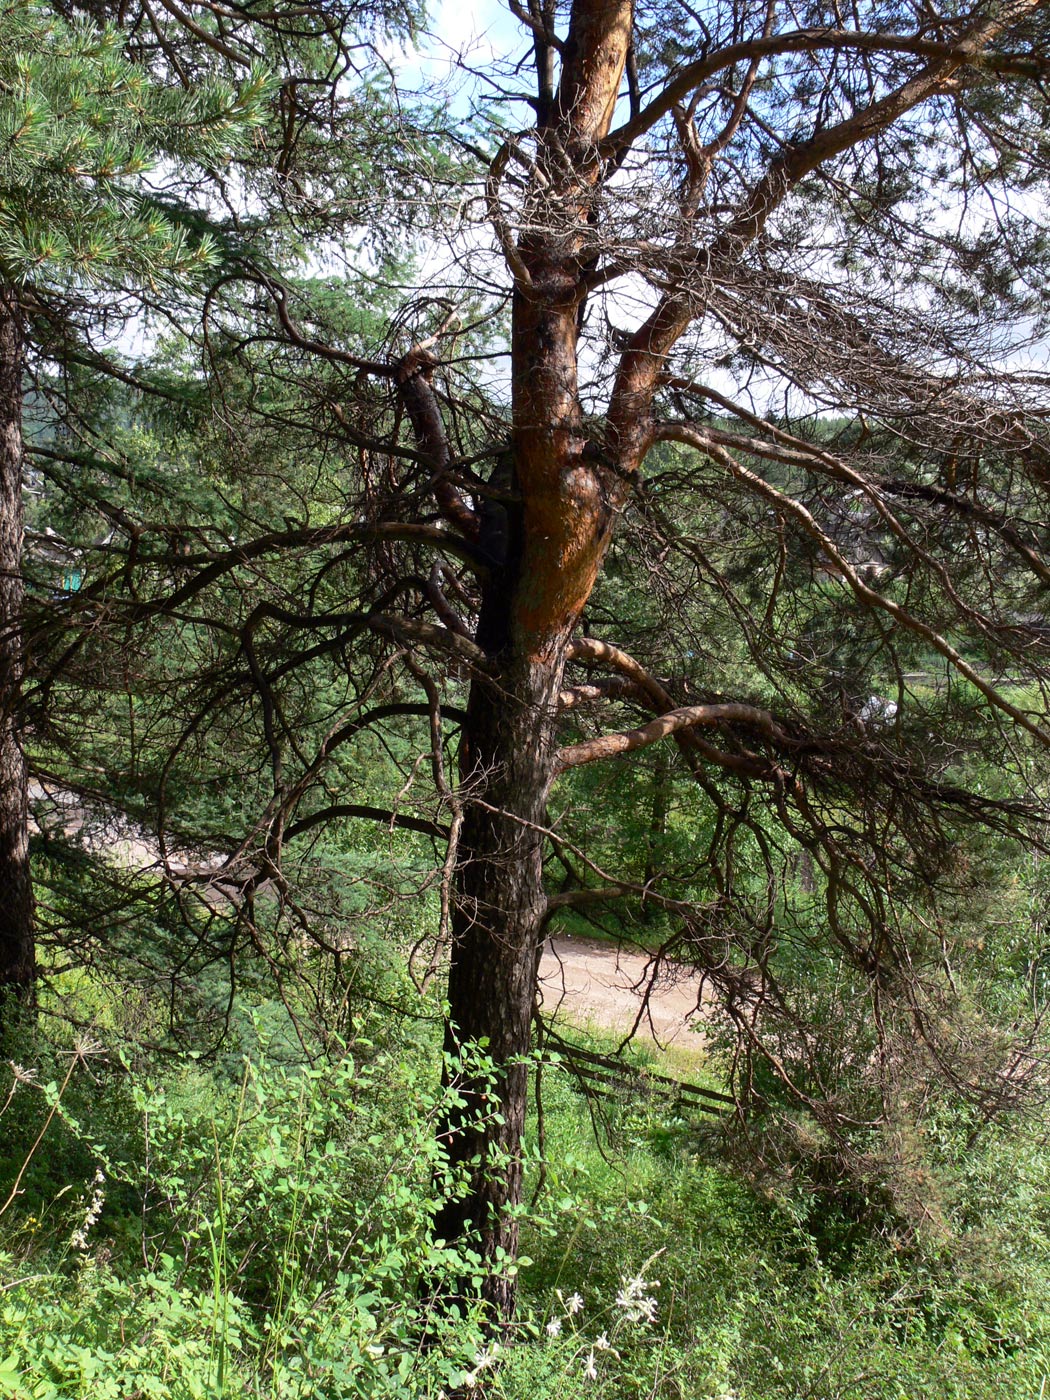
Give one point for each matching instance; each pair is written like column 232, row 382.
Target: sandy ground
column 119, row 840
column 582, row 981
column 585, row 982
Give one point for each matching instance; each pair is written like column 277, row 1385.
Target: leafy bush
column 269, row 1236
column 283, row 1246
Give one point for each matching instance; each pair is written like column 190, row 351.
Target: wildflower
column 554, row 1327
column 482, row 1360
column 602, row 1343
column 590, row 1371
column 637, row 1303
column 79, row 1239
column 574, row 1305
column 84, row 1047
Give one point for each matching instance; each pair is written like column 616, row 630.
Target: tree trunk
column 17, row 951
column 552, row 545
column 506, row 769
column 555, row 535
column 657, row 820
column 566, row 488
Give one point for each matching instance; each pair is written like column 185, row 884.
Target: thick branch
column 413, row 377
column 409, row 630
column 801, row 159
column 959, row 54
column 208, row 37
column 592, row 67
column 610, row 688
column 591, row 650
column 344, row 810
column 690, row 716
column 318, row 347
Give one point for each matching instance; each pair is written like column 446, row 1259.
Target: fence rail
column 606, row 1077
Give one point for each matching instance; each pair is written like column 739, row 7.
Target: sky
column 458, row 31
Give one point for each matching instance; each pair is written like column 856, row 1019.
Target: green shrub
column 283, row 1247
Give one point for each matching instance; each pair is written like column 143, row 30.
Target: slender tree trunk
column 657, row 818
column 17, row 952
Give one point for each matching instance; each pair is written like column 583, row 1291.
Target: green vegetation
column 261, row 1228
column 603, row 494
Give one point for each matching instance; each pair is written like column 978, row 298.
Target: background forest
column 588, row 479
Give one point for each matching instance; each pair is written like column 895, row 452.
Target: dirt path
column 582, row 981
column 585, row 982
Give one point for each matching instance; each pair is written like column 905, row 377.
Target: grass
column 260, row 1228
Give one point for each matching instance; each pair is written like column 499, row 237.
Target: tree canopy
column 705, row 451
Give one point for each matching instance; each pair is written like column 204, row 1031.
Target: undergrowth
column 261, row 1228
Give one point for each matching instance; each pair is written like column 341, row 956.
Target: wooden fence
column 606, row 1077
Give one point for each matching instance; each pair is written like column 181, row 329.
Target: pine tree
column 82, row 129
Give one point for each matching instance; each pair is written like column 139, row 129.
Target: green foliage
column 257, row 1219
column 749, row 1305
column 265, row 1237
column 81, row 130
column 183, row 1232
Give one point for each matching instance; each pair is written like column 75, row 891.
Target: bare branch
column 696, row 437
column 611, row 745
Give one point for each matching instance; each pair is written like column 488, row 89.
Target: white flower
column 554, row 1327
column 486, row 1358
column 482, row 1360
column 574, row 1305
column 590, row 1371
column 79, row 1238
column 636, row 1287
column 602, row 1343
column 637, row 1304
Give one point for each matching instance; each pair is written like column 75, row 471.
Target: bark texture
column 17, row 954
column 556, row 534
column 492, row 982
